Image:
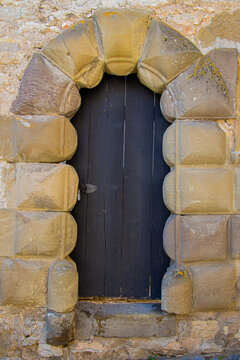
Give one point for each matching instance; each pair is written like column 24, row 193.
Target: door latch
column 88, row 188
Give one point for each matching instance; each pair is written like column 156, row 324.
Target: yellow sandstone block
column 37, row 233
column 198, row 142
column 201, row 91
column 76, row 52
column 62, row 286
column 122, row 32
column 166, row 53
column 196, row 237
column 47, row 138
column 204, row 190
column 38, row 186
column 23, row 282
column 214, row 286
column 237, row 188
column 177, row 290
column 198, row 191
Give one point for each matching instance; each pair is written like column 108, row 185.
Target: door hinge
column 88, row 188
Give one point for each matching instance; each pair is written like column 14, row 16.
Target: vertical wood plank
column 95, row 245
column 160, row 213
column 99, row 162
column 113, row 183
column 137, row 197
column 80, row 163
column 119, row 250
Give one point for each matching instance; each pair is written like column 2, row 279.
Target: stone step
column 122, row 320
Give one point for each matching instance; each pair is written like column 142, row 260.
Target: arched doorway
column 120, row 218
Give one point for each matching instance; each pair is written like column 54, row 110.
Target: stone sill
column 123, row 320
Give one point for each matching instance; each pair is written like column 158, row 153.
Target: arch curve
column 120, row 42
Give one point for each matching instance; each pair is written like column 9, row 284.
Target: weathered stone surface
column 133, row 325
column 222, row 30
column 122, row 33
column 23, row 282
column 226, row 62
column 45, row 89
column 121, row 319
column 196, row 237
column 27, row 233
column 200, row 92
column 214, row 287
column 198, row 142
column 59, row 328
column 49, row 352
column 235, row 236
column 49, row 138
column 84, row 324
column 198, row 190
column 177, row 290
column 62, row 286
column 166, row 53
column 122, row 349
column 237, row 188
column 22, row 336
column 76, row 52
column 235, row 155
column 38, row 186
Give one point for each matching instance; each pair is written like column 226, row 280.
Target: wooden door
column 119, row 252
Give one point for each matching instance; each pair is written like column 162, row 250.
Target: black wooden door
column 119, row 252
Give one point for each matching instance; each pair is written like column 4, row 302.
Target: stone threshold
column 122, row 319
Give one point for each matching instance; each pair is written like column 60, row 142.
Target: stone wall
column 200, row 147
column 22, row 334
column 27, row 26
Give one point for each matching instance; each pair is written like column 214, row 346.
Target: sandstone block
column 169, row 146
column 214, row 287
column 76, row 52
column 200, row 92
column 198, row 142
column 237, row 188
column 45, row 89
column 235, row 236
column 37, row 233
column 62, row 286
column 38, row 186
column 23, row 282
column 122, row 33
column 60, row 328
column 49, row 138
column 166, row 53
column 226, row 61
column 177, row 290
column 196, row 237
column 198, row 190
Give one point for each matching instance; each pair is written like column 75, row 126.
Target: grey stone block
column 60, row 328
column 133, row 325
column 84, row 325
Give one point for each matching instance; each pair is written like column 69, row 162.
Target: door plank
column 136, row 228
column 113, row 182
column 80, row 163
column 160, row 213
column 119, row 250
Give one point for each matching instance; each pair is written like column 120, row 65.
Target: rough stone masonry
column 27, row 27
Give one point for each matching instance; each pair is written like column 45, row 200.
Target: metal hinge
column 88, row 188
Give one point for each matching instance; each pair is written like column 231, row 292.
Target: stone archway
column 36, row 198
